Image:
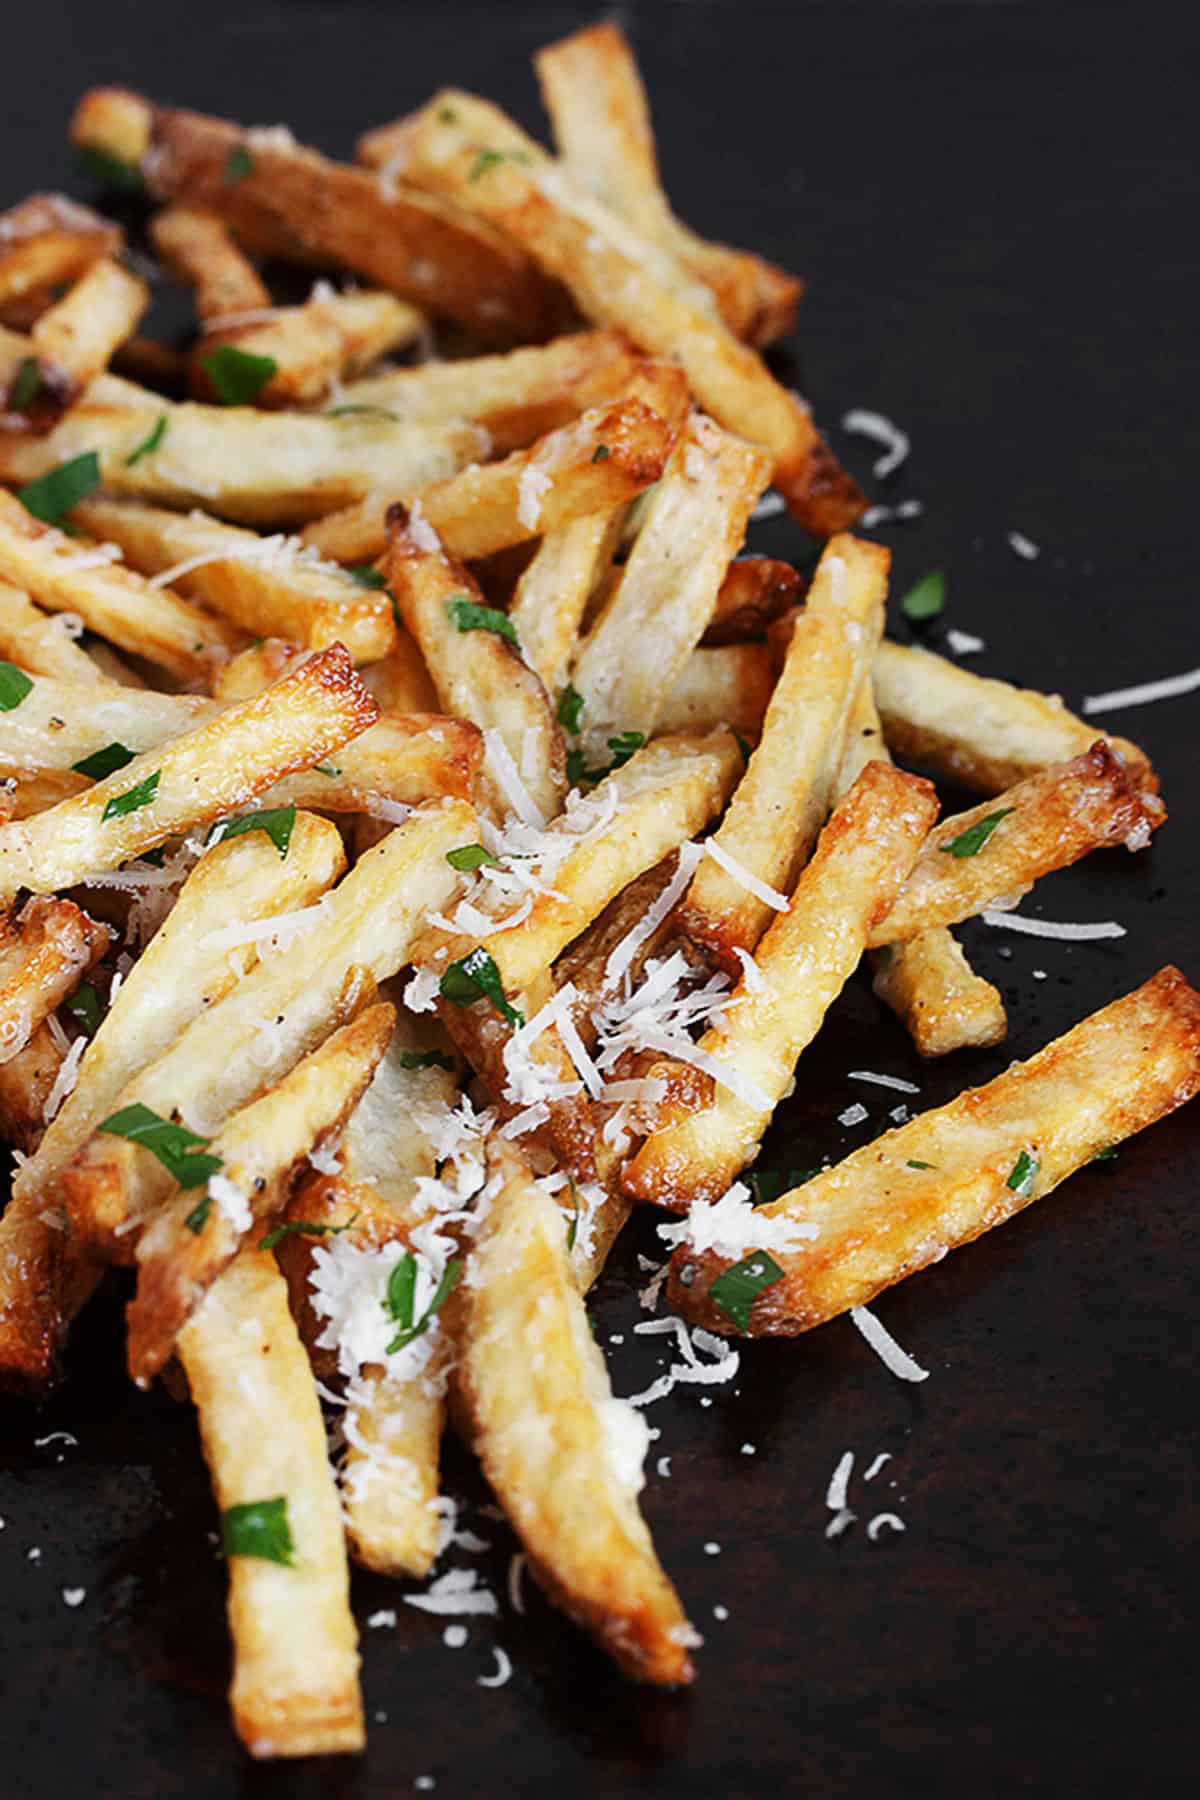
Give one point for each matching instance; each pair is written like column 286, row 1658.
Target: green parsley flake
column 427, row 1059
column 26, row 385
column 277, row 821
column 197, row 1219
column 367, row 575
column 971, row 841
column 110, row 171
column 259, row 1528
column 488, row 159
column 326, row 769
column 133, row 799
column 239, row 163
column 737, row 1288
column 465, row 615
column 913, row 1163
column 302, row 1227
column 104, row 762
column 87, row 1008
column 1023, row 1173
column 149, row 443
column 926, row 598
column 570, row 709
column 52, row 495
column 476, row 977
column 623, row 747
column 400, row 1299
column 238, row 377
column 1109, row 1154
column 179, row 1150
column 14, row 685
column 573, row 1227
column 471, row 856
column 362, row 412
column 601, row 453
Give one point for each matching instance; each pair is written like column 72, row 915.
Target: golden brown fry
column 266, row 588
column 312, row 345
column 469, row 151
column 597, row 104
column 295, row 1679
column 191, row 781
column 26, row 1082
column 199, row 248
column 902, row 1201
column 45, row 951
column 730, row 685
column 801, row 964
column 72, row 341
column 395, row 236
column 784, row 797
column 59, row 723
column 42, row 645
column 1046, row 822
column 979, row 731
column 47, row 242
column 528, row 1356
column 553, row 592
column 401, row 681
column 756, row 591
column 178, row 1258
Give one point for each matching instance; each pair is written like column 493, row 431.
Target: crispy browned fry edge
column 883, row 1213
column 47, row 241
column 25, row 1083
column 73, row 340
column 45, row 950
column 422, row 249
column 756, row 591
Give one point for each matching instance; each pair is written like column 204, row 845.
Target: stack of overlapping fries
column 424, row 836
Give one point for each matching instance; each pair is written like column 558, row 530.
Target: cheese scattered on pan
column 1166, row 689
column 769, row 507
column 885, row 1346
column 503, row 1670
column 860, row 422
column 853, row 1115
column 1053, row 928
column 458, row 1591
column 963, row 643
column 884, row 1456
column 888, row 1081
column 884, row 1520
column 1023, row 547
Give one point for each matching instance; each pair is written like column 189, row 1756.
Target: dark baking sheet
column 995, row 207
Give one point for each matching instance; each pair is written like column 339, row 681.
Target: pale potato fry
column 74, row 339
column 47, row 241
column 528, row 1356
column 67, row 576
column 729, row 685
column 664, row 794
column 553, row 592
column 61, row 722
column 478, row 673
column 602, row 459
column 26, row 1082
column 266, row 587
column 802, row 962
column 1045, row 822
column 39, row 644
column 295, row 1679
column 784, row 797
column 190, row 1243
column 702, row 502
column 200, row 249
column 597, row 104
column 312, row 345
column 45, row 951
column 399, row 238
column 39, row 789
column 979, row 731
column 615, row 281
column 401, row 681
column 927, row 982
column 364, row 929
column 902, row 1201
column 756, row 591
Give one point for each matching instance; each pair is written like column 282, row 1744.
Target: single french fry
column 199, row 248
column 26, row 1082
column 703, row 502
column 617, row 280
column 902, row 1201
column 601, row 460
column 66, row 576
column 979, row 731
column 601, row 119
column 295, row 1679
column 729, row 685
column 784, row 797
column 400, row 682
column 802, row 962
column 1045, row 822
column 398, row 238
column 478, row 673
column 311, row 345
column 45, row 950
column 927, row 982
column 664, row 794
column 74, row 339
column 267, row 587
column 39, row 644
column 61, row 722
column 47, row 242
column 528, row 1355
column 756, row 591
column 364, row 930
column 553, row 592
column 189, row 1244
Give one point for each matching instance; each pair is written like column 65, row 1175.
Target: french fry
column 311, row 345
column 756, row 591
column 191, row 780
column 199, row 248
column 632, row 819
column 562, row 477
column 598, row 109
column 364, row 930
column 902, row 1201
column 979, row 731
column 47, row 242
column 178, row 1259
column 40, row 644
column 801, row 964
column 478, row 673
column 616, row 281
column 26, row 1082
column 60, row 723
column 45, row 950
column 784, row 796
column 703, row 501
column 68, row 577
column 396, row 237
column 553, row 592
column 263, row 586
column 400, row 682
column 528, row 1356
column 295, row 1680
column 74, row 339
column 1045, row 822
column 730, row 685
column 927, row 982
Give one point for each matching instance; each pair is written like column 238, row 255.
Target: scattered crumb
column 454, row 1637
column 720, row 1612
column 712, row 1549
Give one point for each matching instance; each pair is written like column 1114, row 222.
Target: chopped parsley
column 623, row 747
column 239, row 163
column 401, row 1297
column 914, row 1163
column 1023, row 1173
column 133, row 799
column 476, row 977
column 149, row 443
column 471, row 856
column 362, row 412
column 601, row 453
column 276, row 821
column 746, row 748
column 26, row 385
column 110, row 171
column 259, row 1528
column 971, row 841
column 573, row 1227
column 197, row 1219
column 737, row 1288
column 326, row 769
column 570, row 709
column 304, row 1227
column 926, row 598
column 427, row 1059
column 87, row 1008
column 53, row 494
column 488, row 159
column 367, row 575
column 238, row 377
column 14, row 685
column 104, row 762
column 447, row 115
column 1109, row 1154
column 180, row 1151
column 466, row 615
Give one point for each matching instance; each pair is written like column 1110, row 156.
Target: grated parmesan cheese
column 1023, row 546
column 860, row 422
column 65, row 1079
column 887, row 1081
column 503, row 1670
column 885, row 1346
column 1142, row 695
column 532, row 486
column 853, row 1115
column 741, row 874
column 731, row 1226
column 1051, row 928
column 963, row 643
column 230, row 1202
column 421, row 531
column 880, row 1520
column 457, row 1592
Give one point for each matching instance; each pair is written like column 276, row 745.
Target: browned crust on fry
column 755, row 591
column 45, row 950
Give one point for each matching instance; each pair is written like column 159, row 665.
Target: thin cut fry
column 756, row 591
column 45, row 950
column 74, row 339
column 312, row 345
column 42, row 645
column 730, row 685
column 47, row 242
column 199, row 248
column 553, row 592
column 902, row 1201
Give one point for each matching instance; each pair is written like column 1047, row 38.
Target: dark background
column 995, row 207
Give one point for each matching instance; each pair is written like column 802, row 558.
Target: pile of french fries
column 423, row 836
